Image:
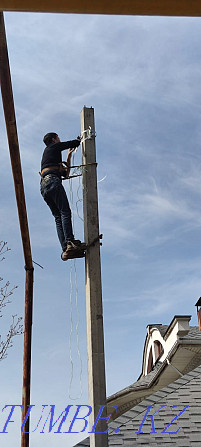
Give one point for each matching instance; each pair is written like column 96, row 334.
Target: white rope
column 79, row 199
column 89, row 134
column 84, row 139
column 71, row 331
column 102, row 179
column 76, row 291
column 77, row 333
column 77, row 328
column 75, row 150
column 71, row 316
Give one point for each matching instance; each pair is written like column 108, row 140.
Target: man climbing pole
column 53, row 192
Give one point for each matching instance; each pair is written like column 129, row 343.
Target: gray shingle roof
column 144, row 381
column 184, row 391
column 194, row 333
column 161, row 327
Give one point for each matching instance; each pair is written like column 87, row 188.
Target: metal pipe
column 9, row 112
column 27, row 354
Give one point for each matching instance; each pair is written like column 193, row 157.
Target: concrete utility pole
column 94, row 311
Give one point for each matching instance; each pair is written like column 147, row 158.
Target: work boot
column 73, row 246
column 75, row 243
column 64, row 256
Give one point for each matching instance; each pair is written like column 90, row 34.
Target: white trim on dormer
column 153, row 335
column 179, row 327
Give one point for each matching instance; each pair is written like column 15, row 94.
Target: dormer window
column 158, row 349
column 155, row 352
column 161, row 338
column 150, row 362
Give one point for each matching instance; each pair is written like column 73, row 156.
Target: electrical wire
column 75, row 290
column 73, row 267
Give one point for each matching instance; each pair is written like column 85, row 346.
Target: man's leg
column 60, row 199
column 58, row 221
column 47, row 190
column 55, row 196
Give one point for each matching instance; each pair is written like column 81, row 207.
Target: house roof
column 144, row 381
column 194, row 334
column 194, row 331
column 182, row 393
column 183, row 358
column 161, row 327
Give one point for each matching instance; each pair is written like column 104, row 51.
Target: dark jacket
column 52, row 154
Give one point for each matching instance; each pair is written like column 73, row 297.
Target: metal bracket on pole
column 97, row 239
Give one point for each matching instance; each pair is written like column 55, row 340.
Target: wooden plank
column 120, row 7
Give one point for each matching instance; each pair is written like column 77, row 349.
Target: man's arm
column 68, row 161
column 72, row 144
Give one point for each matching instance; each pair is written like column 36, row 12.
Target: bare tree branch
column 3, row 249
column 16, row 328
column 4, row 295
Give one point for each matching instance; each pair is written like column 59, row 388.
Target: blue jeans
column 55, row 196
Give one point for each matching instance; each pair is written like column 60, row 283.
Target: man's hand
column 70, row 151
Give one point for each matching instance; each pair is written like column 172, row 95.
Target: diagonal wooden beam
column 9, row 112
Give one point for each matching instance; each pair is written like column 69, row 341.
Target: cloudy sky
column 142, row 75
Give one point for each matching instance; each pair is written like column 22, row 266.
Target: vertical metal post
column 94, row 311
column 27, row 354
column 9, row 112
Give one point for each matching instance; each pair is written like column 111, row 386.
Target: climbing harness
column 51, row 168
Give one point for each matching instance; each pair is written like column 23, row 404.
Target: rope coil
column 89, row 134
